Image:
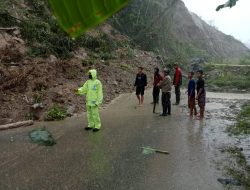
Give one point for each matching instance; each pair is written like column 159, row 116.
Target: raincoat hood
column 93, row 73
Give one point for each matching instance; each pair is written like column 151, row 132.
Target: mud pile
column 31, row 86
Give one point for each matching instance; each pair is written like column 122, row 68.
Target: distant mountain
column 170, row 28
column 189, row 27
column 248, row 44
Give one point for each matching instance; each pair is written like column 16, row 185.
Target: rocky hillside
column 40, row 66
column 171, row 29
column 31, row 87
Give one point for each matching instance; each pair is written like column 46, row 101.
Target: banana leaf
column 77, row 16
column 229, row 3
column 149, row 150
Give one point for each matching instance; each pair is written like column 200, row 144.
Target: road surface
column 112, row 159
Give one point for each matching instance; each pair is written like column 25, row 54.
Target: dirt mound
column 30, row 87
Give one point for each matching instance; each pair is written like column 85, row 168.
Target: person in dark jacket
column 140, row 84
column 201, row 93
column 156, row 89
column 177, row 82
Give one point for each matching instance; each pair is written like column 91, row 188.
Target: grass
column 242, row 125
column 227, row 78
column 56, row 113
column 239, row 169
column 232, row 81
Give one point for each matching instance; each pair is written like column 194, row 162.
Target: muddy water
column 112, row 158
column 229, row 96
column 221, row 112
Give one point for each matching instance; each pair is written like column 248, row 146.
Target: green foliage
column 208, row 67
column 231, row 81
column 102, row 47
column 245, row 60
column 130, row 52
column 56, row 113
column 6, row 20
column 228, row 77
column 238, row 168
column 91, row 13
column 242, row 125
column 42, row 34
column 101, row 43
column 229, row 3
column 44, row 37
column 39, row 95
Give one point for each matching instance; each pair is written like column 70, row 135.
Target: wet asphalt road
column 112, row 159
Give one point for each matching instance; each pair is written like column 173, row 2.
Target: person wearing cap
column 166, row 86
column 92, row 89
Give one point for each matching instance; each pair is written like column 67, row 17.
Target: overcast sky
column 234, row 21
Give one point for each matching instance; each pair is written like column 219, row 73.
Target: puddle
column 221, row 112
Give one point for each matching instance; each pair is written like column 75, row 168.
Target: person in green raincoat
column 92, row 89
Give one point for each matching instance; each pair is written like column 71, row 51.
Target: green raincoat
column 92, row 89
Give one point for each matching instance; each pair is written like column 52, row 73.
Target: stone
column 71, row 110
column 37, row 106
column 52, row 59
column 115, row 83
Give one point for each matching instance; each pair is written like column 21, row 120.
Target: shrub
column 242, row 125
column 56, row 113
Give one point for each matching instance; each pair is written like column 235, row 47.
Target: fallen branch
column 16, row 125
column 12, row 28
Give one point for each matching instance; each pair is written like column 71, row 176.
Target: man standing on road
column 166, row 86
column 177, row 82
column 201, row 93
column 156, row 89
column 92, row 88
column 191, row 94
column 140, row 84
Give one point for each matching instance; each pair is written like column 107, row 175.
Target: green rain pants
column 94, row 120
